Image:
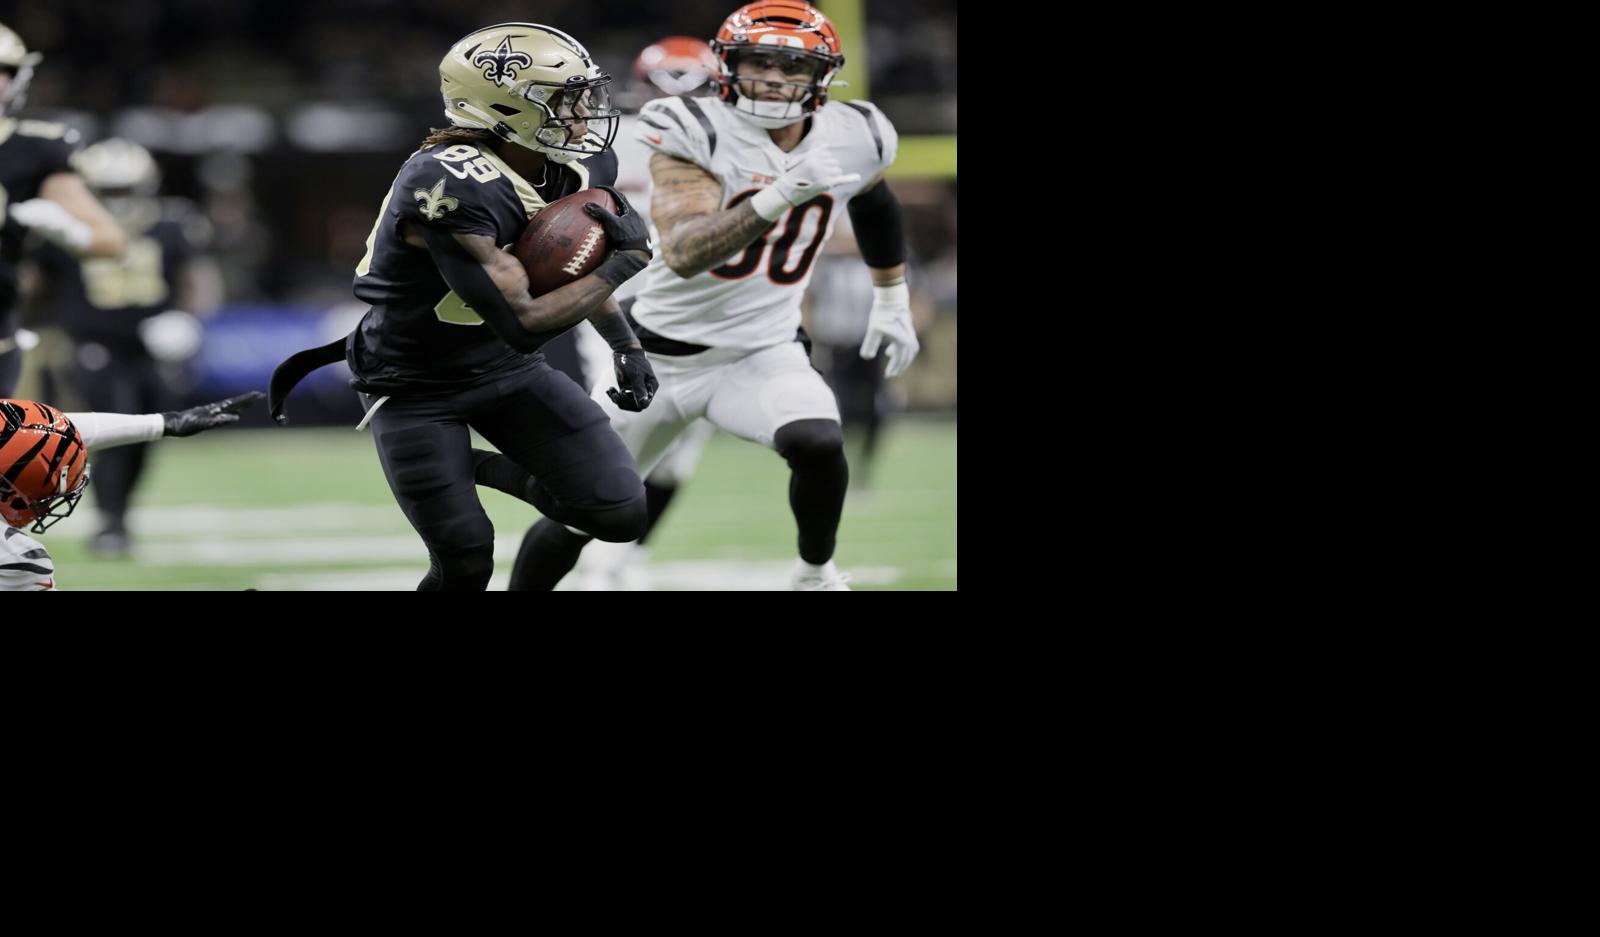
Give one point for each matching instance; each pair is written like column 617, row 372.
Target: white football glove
column 815, row 173
column 170, row 336
column 890, row 321
column 55, row 223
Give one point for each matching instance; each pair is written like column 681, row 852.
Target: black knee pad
column 462, row 549
column 465, row 533
column 809, row 441
column 467, row 569
column 617, row 485
column 623, row 523
column 617, row 512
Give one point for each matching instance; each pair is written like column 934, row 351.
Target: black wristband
column 620, row 266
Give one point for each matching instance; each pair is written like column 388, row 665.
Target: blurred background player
column 676, row 65
column 39, row 190
column 838, row 308
column 127, row 318
column 44, row 468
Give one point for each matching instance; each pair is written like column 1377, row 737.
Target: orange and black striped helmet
column 788, row 26
column 44, row 464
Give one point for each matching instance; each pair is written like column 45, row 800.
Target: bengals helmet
column 43, row 464
column 794, row 33
column 676, row 65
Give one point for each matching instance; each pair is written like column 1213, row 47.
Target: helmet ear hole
column 506, row 109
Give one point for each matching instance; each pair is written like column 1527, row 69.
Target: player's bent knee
column 624, row 516
column 621, row 523
column 806, row 441
column 465, row 570
column 613, row 509
column 617, row 485
column 463, row 551
column 471, row 534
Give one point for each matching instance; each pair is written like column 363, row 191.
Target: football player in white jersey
column 745, row 188
column 44, row 468
column 674, row 65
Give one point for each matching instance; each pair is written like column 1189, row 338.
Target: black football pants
column 541, row 420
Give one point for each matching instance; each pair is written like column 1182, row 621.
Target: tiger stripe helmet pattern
column 44, row 464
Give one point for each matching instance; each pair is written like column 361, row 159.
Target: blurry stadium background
column 284, row 122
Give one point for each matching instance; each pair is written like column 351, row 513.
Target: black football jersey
column 103, row 299
column 419, row 336
column 30, row 152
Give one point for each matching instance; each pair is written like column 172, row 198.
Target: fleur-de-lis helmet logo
column 502, row 62
column 434, row 202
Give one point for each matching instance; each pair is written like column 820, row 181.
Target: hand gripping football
column 562, row 243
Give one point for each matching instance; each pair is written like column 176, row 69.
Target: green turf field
column 281, row 509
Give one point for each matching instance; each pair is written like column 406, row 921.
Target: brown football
column 562, row 243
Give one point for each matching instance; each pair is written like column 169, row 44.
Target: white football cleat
column 824, row 578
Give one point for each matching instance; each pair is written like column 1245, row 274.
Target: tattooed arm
column 695, row 234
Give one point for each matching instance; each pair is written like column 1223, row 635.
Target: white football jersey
column 633, row 181
column 633, row 165
column 753, row 299
column 25, row 565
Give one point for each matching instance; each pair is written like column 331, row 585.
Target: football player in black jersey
column 452, row 340
column 128, row 317
column 39, row 190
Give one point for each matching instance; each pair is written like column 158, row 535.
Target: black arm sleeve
column 880, row 228
column 615, row 330
column 474, row 285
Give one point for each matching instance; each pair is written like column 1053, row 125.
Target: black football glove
column 207, row 415
column 626, row 230
column 636, row 378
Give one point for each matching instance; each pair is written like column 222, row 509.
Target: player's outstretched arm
column 105, row 430
column 208, row 415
